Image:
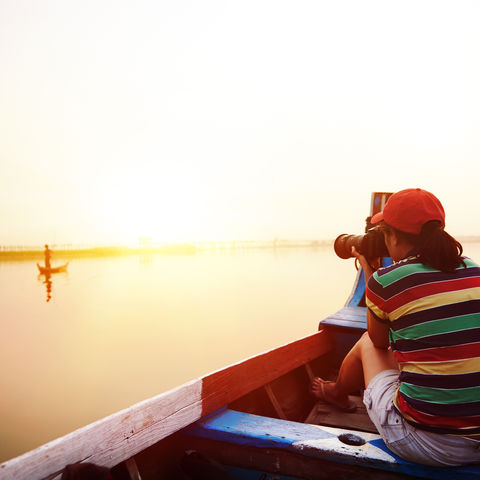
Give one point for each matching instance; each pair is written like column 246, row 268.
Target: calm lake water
column 118, row 330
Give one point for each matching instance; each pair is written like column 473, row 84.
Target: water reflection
column 48, row 284
column 46, row 275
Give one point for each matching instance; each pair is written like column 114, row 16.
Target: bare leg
column 358, row 368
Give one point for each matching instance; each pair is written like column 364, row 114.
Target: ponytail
column 438, row 249
column 434, row 247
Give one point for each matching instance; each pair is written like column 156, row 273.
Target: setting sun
column 208, row 122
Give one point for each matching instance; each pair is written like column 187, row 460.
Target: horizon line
column 147, row 242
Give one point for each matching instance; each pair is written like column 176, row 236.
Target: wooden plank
column 346, row 324
column 264, row 432
column 122, row 435
column 350, row 317
column 222, row 387
column 325, row 414
column 355, row 314
column 276, row 404
column 311, row 375
column 113, row 439
column 327, row 443
column 239, row 427
column 283, row 462
column 132, row 469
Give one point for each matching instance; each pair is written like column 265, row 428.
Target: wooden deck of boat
column 325, row 414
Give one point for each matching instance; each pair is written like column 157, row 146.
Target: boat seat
column 349, row 317
column 354, row 314
column 316, row 443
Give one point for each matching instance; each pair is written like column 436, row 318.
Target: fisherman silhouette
column 47, row 257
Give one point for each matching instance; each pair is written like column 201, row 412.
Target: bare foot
column 325, row 391
column 321, row 387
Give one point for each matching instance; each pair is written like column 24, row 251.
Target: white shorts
column 406, row 441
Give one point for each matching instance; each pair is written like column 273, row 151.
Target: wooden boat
column 45, row 270
column 251, row 420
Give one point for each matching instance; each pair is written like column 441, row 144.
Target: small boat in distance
column 47, row 271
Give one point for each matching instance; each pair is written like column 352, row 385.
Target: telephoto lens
column 371, row 245
column 344, row 243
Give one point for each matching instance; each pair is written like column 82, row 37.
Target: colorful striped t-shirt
column 435, row 336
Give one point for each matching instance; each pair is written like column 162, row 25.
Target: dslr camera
column 371, row 244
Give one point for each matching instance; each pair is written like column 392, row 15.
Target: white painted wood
column 111, row 440
column 332, row 446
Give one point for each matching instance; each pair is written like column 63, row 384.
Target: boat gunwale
column 48, row 271
column 123, row 434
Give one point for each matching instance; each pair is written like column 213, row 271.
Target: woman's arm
column 377, row 331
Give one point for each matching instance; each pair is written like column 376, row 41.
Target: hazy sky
column 186, row 120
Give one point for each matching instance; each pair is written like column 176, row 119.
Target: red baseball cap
column 409, row 209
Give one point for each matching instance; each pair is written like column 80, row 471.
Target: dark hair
column 434, row 246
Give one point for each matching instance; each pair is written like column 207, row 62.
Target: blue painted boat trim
column 253, row 430
column 349, row 317
column 243, row 474
column 358, row 290
column 315, row 441
column 467, row 472
column 353, row 316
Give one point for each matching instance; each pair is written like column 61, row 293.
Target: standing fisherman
column 47, row 257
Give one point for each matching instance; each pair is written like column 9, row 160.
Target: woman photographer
column 420, row 357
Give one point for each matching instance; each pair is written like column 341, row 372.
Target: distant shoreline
column 24, row 253
column 19, row 253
